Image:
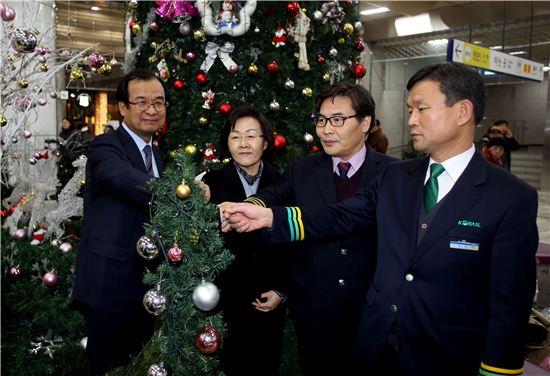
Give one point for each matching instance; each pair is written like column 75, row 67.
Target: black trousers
column 113, row 337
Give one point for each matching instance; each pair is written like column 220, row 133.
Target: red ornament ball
column 175, row 254
column 226, row 108
column 208, row 340
column 132, row 24
column 315, row 148
column 293, row 8
column 201, row 78
column 273, row 67
column 49, row 279
column 320, row 59
column 358, row 70
column 15, row 272
column 178, row 85
column 279, row 142
column 190, row 56
column 360, row 46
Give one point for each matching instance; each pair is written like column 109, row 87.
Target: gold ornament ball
column 348, row 29
column 173, row 153
column 23, row 84
column 252, row 69
column 194, row 237
column 76, row 74
column 3, row 121
column 43, row 68
column 203, row 121
column 307, row 92
column 152, row 59
column 199, row 35
column 82, row 181
column 326, row 77
column 105, row 69
column 191, row 150
column 183, row 191
column 136, row 29
column 341, row 40
column 296, row 56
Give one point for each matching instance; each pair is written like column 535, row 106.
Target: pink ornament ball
column 65, row 248
column 7, row 13
column 49, row 279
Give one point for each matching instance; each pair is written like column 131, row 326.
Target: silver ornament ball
column 157, row 370
column 53, row 95
column 154, row 302
column 23, row 41
column 274, row 106
column 147, row 248
column 83, row 343
column 308, row 138
column 289, row 84
column 185, row 29
column 206, row 296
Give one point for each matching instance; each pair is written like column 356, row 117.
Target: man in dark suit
column 328, row 280
column 457, row 237
column 109, row 272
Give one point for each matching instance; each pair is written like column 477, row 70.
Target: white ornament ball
column 83, row 343
column 317, row 15
column 206, row 296
column 308, row 138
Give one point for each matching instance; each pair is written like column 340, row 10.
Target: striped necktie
column 343, row 168
column 148, row 160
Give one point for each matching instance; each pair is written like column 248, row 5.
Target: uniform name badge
column 463, row 244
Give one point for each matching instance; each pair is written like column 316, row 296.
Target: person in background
column 377, row 139
column 494, row 150
column 67, row 128
column 455, row 277
column 109, row 272
column 251, row 285
column 511, row 143
column 328, row 279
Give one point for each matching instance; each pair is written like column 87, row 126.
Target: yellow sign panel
column 476, row 56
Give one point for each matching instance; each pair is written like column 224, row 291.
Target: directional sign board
column 482, row 57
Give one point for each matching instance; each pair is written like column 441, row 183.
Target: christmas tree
column 275, row 56
column 214, row 57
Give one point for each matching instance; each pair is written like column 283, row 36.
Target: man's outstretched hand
column 244, row 217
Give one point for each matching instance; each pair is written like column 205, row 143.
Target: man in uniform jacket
column 109, row 272
column 328, row 279
column 457, row 238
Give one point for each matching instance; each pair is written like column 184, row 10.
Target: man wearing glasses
column 328, row 280
column 109, row 272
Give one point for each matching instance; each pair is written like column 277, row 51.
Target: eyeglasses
column 249, row 138
column 335, row 121
column 158, row 105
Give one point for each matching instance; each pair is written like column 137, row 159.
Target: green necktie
column 431, row 188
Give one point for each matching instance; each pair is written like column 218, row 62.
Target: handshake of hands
column 244, row 217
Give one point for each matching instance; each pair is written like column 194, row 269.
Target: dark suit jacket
column 109, row 270
column 455, row 307
column 329, row 276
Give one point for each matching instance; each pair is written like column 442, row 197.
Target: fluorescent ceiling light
column 372, row 11
column 438, row 42
column 413, row 25
column 496, row 47
column 546, row 69
column 517, row 52
column 94, row 8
